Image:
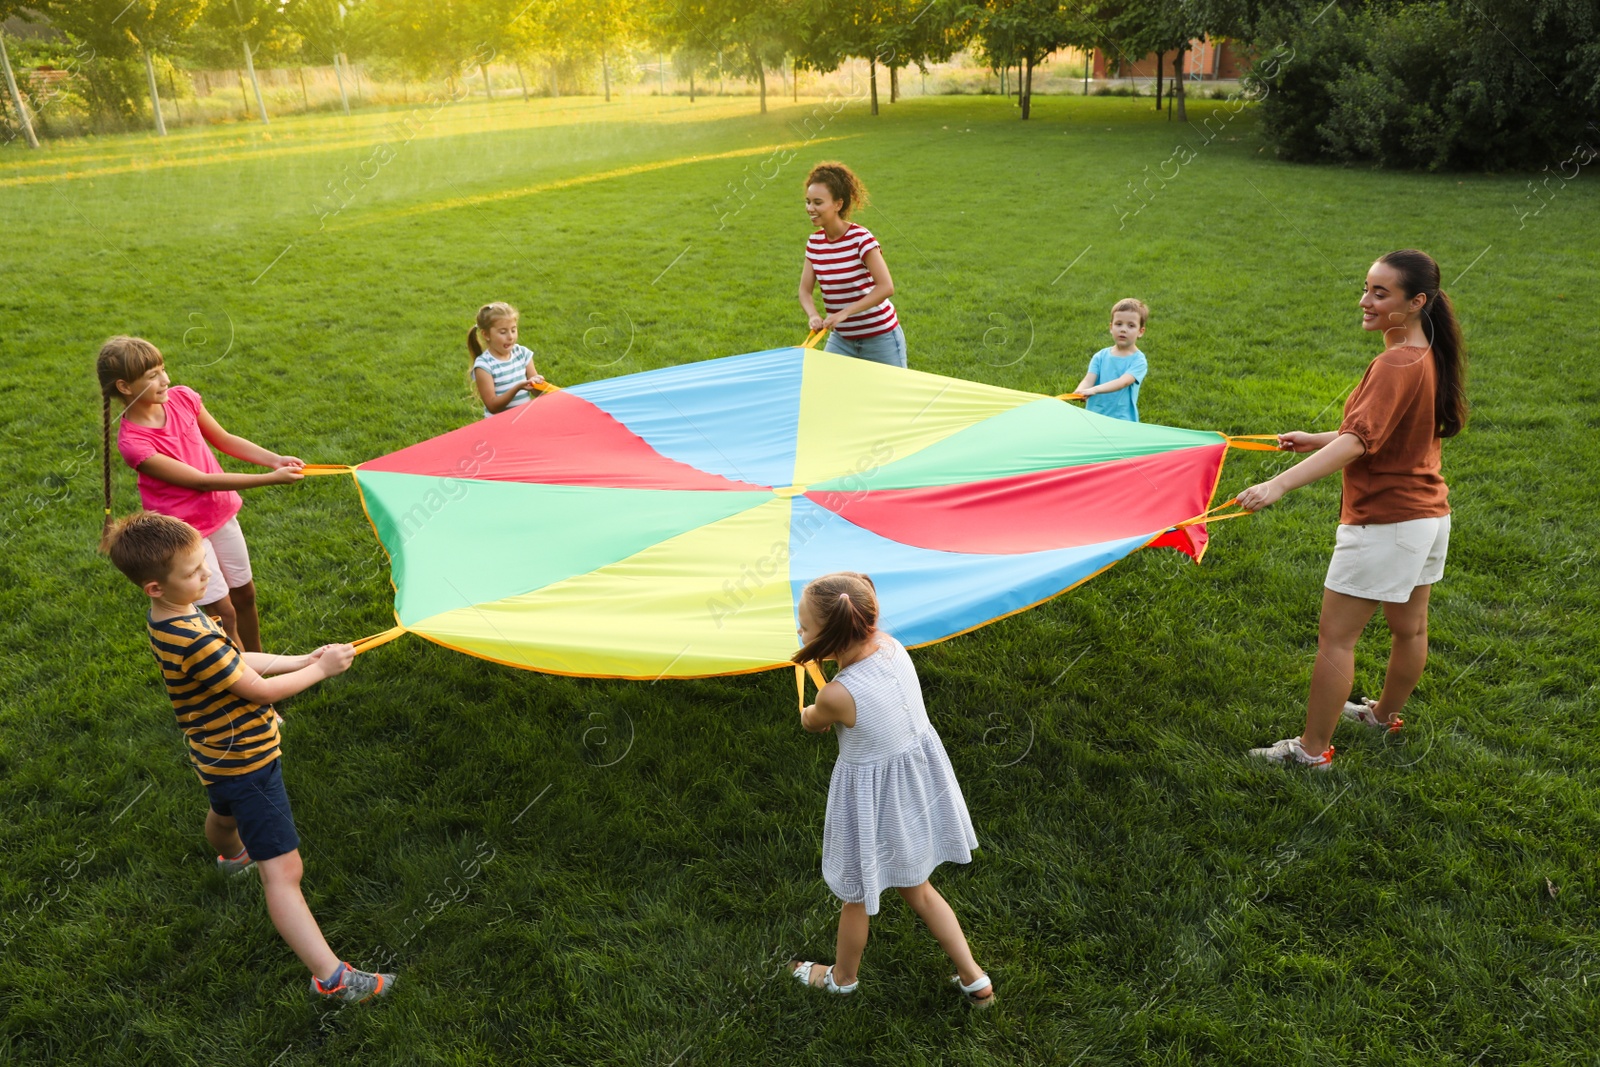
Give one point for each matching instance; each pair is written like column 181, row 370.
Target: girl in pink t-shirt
column 163, row 435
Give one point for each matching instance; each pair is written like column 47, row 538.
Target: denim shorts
column 258, row 803
column 887, row 348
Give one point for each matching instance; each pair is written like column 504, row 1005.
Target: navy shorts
column 257, row 802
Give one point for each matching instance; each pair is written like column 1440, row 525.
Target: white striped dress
column 506, row 373
column 842, row 273
column 895, row 810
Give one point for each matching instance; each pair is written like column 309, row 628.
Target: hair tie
column 844, row 596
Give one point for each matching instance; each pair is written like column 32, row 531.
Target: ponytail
column 1450, row 359
column 847, row 604
column 474, row 346
column 1419, row 273
column 105, row 466
column 123, row 359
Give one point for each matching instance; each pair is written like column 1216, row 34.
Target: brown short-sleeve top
column 1392, row 411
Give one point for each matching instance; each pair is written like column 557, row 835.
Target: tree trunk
column 1003, row 71
column 172, row 87
column 719, row 73
column 305, row 97
column 794, row 80
column 155, row 94
column 1086, row 57
column 339, row 77
column 255, row 83
column 1161, row 60
column 894, row 84
column 605, row 71
column 488, row 90
column 691, row 85
column 522, row 81
column 1027, row 85
column 555, row 82
column 872, row 68
column 1019, row 83
column 661, row 74
column 761, row 71
column 16, row 96
column 1177, row 76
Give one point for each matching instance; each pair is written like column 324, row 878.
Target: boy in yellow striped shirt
column 223, row 699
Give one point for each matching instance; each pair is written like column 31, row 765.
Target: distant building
column 1205, row 61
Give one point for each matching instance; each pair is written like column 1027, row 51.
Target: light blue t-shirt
column 1107, row 366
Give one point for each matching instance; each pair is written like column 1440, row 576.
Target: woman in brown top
column 1394, row 522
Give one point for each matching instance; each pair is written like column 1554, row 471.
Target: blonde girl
column 895, row 811
column 166, row 434
column 502, row 370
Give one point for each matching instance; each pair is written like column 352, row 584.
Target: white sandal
column 969, row 992
column 802, row 974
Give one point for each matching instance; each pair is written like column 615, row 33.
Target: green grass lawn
column 570, row 870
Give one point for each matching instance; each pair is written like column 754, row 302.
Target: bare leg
column 248, row 626
column 1343, row 619
column 227, row 618
column 1408, row 651
column 222, row 832
column 853, row 924
column 940, row 918
column 852, row 943
column 280, row 877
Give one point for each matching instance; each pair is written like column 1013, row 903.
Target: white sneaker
column 1363, row 713
column 1289, row 752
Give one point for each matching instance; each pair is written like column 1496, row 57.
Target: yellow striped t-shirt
column 227, row 734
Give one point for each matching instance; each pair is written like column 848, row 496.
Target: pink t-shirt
column 181, row 440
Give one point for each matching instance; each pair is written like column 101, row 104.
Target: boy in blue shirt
column 1111, row 385
column 223, row 700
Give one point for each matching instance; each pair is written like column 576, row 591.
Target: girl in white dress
column 895, row 811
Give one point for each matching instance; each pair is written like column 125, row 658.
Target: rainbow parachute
column 663, row 524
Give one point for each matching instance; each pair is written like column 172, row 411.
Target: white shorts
column 1387, row 561
column 228, row 559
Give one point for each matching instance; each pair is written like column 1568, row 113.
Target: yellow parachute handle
column 813, row 339
column 1211, row 516
column 800, row 672
column 372, row 641
column 1252, row 442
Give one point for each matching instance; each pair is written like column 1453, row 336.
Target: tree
column 8, row 8
column 122, row 28
column 1435, row 84
column 244, row 20
column 916, row 33
column 1026, row 32
column 748, row 35
column 679, row 29
column 335, row 28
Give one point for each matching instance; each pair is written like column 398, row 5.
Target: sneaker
column 1289, row 753
column 353, row 985
column 237, row 865
column 1362, row 712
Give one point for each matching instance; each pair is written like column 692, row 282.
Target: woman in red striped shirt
column 845, row 260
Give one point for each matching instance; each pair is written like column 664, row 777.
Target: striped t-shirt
column 844, row 279
column 506, row 373
column 227, row 735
